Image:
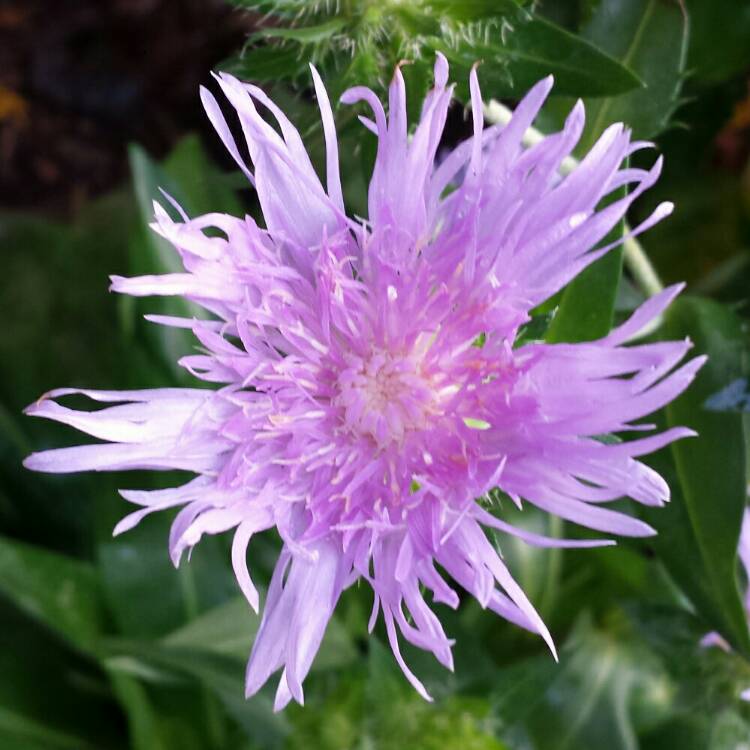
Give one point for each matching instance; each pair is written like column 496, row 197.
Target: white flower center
column 385, row 396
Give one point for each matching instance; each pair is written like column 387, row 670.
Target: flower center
column 385, row 396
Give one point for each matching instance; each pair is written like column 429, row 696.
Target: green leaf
column 699, row 529
column 146, row 595
column 720, row 38
column 230, row 628
column 19, row 732
column 213, row 650
column 540, row 47
column 200, row 186
column 516, row 59
column 266, row 62
column 59, row 274
column 536, row 329
column 152, row 254
column 51, row 696
column 59, row 591
column 148, row 181
column 587, row 699
column 221, row 674
column 142, row 719
column 649, row 37
column 587, row 307
column 188, row 176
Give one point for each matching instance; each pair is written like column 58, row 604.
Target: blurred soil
column 81, row 79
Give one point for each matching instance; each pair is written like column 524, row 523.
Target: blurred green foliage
column 103, row 645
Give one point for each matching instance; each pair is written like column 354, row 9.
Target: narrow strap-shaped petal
column 333, row 178
column 537, row 540
column 220, row 125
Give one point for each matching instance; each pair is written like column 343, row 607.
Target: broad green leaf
column 540, row 47
column 57, row 305
column 59, row 591
column 587, row 306
column 699, row 529
column 143, row 722
column 649, row 37
column 221, row 674
column 187, row 176
column 230, row 628
column 149, row 179
column 146, row 594
column 201, row 187
column 587, row 699
column 710, row 212
column 266, row 62
column 515, row 60
column 18, row 732
column 719, row 38
column 173, row 715
column 152, row 254
column 49, row 692
column 213, row 650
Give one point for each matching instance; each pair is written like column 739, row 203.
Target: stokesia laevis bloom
column 743, row 552
column 368, row 385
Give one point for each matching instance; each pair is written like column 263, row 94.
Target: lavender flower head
column 368, row 388
column 743, row 552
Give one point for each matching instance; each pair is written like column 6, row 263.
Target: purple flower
column 369, row 389
column 743, row 552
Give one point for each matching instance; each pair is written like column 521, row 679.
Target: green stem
column 553, row 575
